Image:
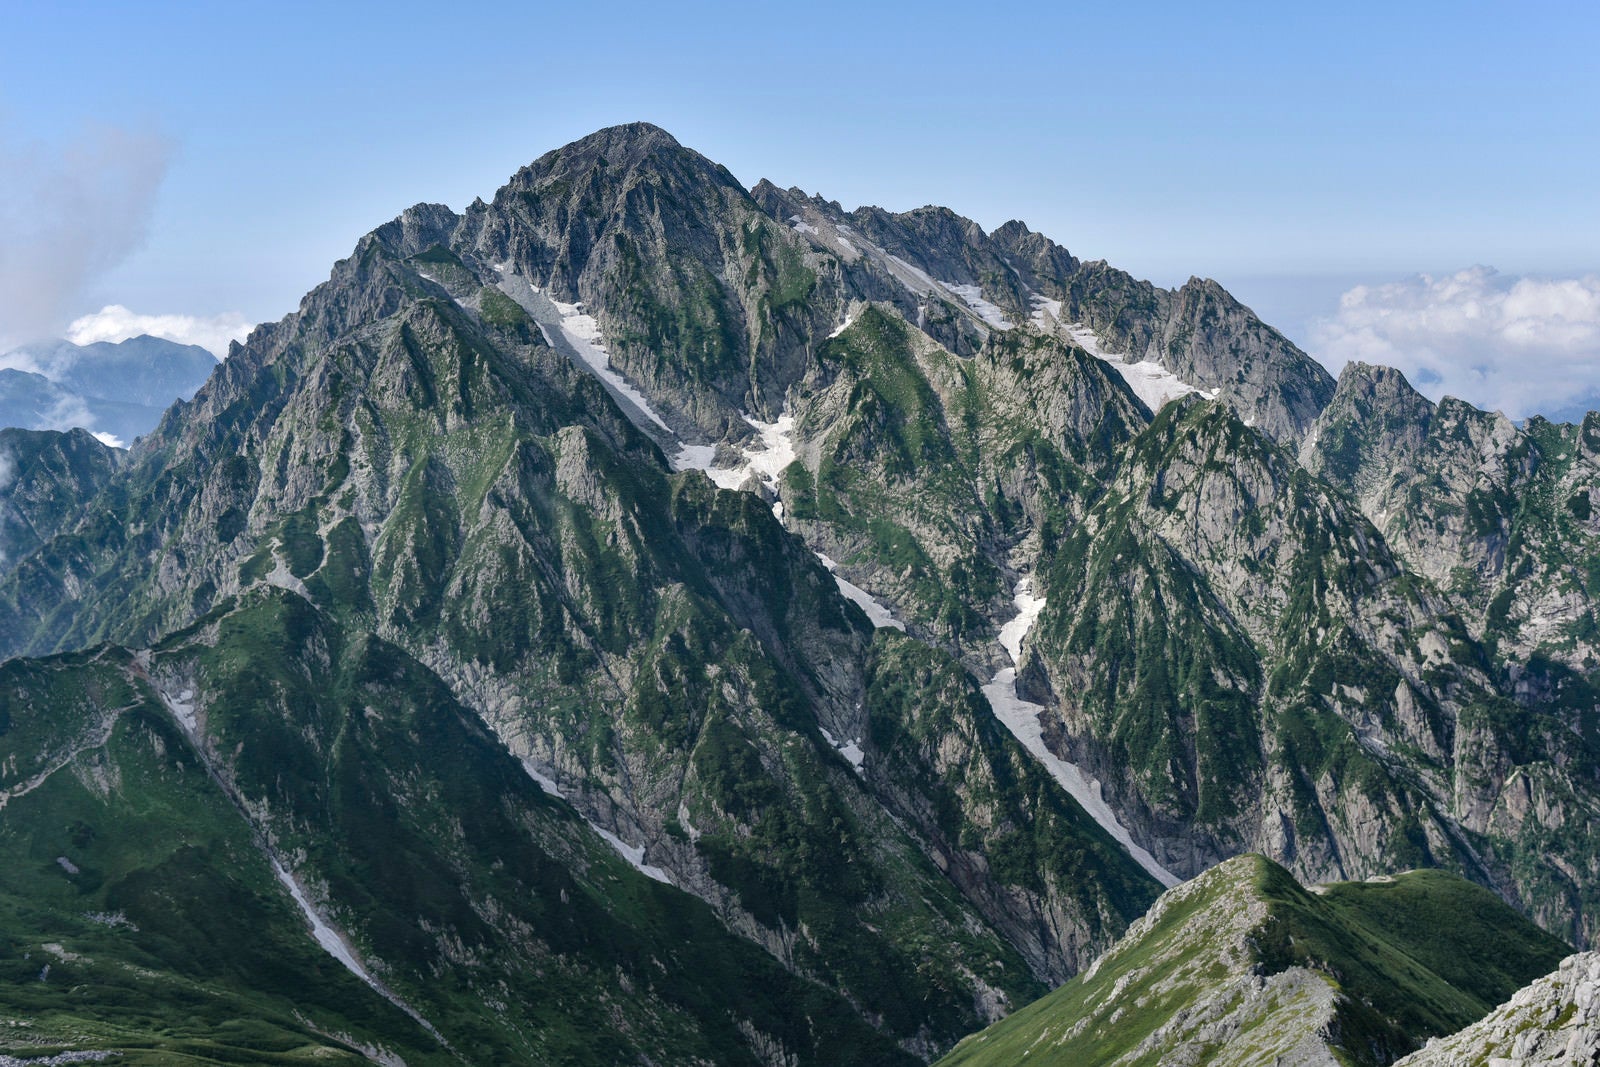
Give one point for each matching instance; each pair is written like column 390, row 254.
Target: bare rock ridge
column 1554, row 1020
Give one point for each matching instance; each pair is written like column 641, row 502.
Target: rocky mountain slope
column 181, row 814
column 44, row 479
column 908, row 602
column 1551, row 1021
column 1244, row 966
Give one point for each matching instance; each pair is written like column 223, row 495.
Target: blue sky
column 204, row 159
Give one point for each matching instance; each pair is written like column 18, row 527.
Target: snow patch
column 1022, row 719
column 1028, row 609
column 326, row 936
column 973, row 297
column 688, row 827
column 583, row 334
column 633, row 854
column 912, row 277
column 877, row 613
column 777, row 452
column 850, row 750
column 546, row 783
column 766, row 463
column 1150, row 382
column 182, row 708
column 694, row 458
column 842, row 327
column 920, row 283
column 800, row 225
column 336, row 946
column 580, row 333
column 1046, row 312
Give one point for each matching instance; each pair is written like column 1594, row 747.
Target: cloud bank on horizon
column 116, row 323
column 1520, row 345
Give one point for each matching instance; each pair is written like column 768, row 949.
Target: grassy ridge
column 1422, row 954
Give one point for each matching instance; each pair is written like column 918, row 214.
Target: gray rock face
column 705, row 302
column 1240, row 658
column 1555, row 1020
column 410, row 455
column 958, row 284
column 1499, row 517
column 46, row 477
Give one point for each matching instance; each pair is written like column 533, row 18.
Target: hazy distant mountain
column 118, row 389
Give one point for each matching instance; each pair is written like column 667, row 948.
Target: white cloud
column 116, row 323
column 110, row 440
column 1521, row 345
column 70, row 213
column 68, row 411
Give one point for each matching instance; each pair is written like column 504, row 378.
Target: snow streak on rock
column 1022, row 719
column 850, row 750
column 544, row 781
column 583, row 334
column 325, row 935
column 331, row 941
column 972, row 296
column 578, row 335
column 634, row 854
column 876, row 611
column 1150, row 382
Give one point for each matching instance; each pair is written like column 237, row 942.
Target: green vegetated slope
column 1243, row 965
column 931, row 478
column 144, row 915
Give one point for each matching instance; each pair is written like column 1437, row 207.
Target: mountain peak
column 624, row 146
column 1372, row 379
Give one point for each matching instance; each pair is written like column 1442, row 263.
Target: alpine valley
column 646, row 620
